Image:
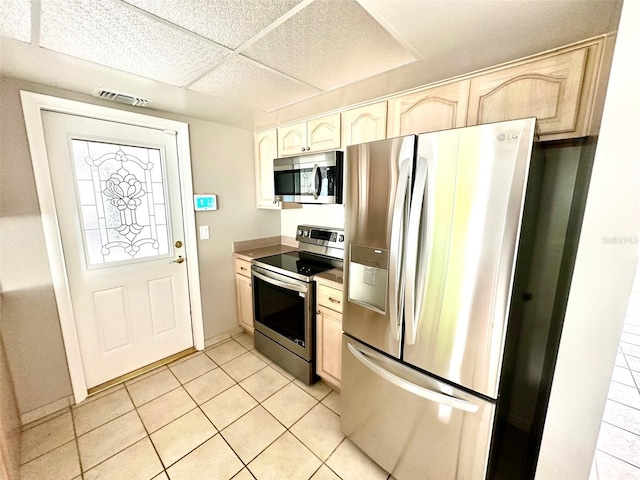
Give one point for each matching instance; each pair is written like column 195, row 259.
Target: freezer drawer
column 412, row 425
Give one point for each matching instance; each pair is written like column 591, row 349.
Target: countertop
column 259, row 252
column 332, row 278
column 263, row 247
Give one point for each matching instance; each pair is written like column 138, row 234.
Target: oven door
column 283, row 309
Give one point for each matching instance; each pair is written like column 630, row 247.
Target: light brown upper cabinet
column 365, row 124
column 266, row 149
column 429, row 110
column 311, row 136
column 558, row 90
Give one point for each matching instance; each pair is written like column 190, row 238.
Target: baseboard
column 209, row 342
column 45, row 410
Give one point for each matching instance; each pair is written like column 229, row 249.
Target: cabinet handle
column 333, row 300
column 243, row 268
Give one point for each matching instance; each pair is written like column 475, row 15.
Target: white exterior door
column 117, row 196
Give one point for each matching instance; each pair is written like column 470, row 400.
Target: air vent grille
column 122, row 97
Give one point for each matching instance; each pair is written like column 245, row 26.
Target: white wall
column 603, row 274
column 323, row 215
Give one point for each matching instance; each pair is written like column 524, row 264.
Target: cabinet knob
column 303, row 149
column 318, row 312
column 308, row 148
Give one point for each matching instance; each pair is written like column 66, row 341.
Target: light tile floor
column 223, row 413
column 618, row 451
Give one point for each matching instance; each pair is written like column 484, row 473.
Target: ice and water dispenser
column 369, row 277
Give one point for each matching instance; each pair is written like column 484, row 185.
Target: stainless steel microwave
column 311, row 178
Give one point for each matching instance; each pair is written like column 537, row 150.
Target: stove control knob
column 341, row 238
column 299, row 231
column 306, row 233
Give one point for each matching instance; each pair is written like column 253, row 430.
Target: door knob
column 178, row 260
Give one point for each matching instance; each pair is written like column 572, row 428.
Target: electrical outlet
column 204, row 232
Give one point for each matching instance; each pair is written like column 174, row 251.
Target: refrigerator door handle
column 396, row 293
column 422, row 392
column 413, row 303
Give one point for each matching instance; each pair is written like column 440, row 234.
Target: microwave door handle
column 314, row 179
column 432, row 395
column 279, row 283
column 395, row 252
column 413, row 298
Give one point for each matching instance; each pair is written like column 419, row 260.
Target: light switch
column 204, row 232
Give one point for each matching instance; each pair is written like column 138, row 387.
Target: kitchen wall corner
column 322, row 215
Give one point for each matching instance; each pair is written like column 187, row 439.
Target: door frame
column 33, row 104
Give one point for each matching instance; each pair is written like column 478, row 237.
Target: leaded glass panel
column 123, row 201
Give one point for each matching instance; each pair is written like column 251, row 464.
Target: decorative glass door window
column 122, row 199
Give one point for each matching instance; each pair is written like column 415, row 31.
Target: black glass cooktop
column 301, row 263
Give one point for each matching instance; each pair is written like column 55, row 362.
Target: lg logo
column 508, row 136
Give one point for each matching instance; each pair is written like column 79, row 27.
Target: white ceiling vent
column 122, row 97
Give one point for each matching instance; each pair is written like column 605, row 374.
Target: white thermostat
column 205, row 201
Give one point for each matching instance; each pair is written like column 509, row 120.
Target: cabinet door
column 429, row 110
column 365, row 124
column 292, row 139
column 329, row 345
column 548, row 89
column 266, row 149
column 244, row 298
column 323, row 133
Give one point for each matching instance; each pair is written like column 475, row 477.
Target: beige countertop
column 259, row 252
column 263, row 247
column 332, row 278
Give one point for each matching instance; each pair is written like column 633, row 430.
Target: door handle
column 413, row 297
column 314, row 179
column 427, row 394
column 396, row 292
column 180, row 259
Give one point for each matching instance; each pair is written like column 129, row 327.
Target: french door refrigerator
column 432, row 229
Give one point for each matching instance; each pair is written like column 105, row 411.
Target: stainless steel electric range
column 284, row 298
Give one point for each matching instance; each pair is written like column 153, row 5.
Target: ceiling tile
column 15, row 20
column 246, row 82
column 114, row 35
column 328, row 44
column 227, row 22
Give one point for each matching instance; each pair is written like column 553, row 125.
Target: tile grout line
column 164, row 468
column 75, row 438
column 620, row 459
column 51, row 450
column 623, row 404
column 317, row 400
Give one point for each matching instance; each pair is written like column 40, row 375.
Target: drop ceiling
column 254, row 62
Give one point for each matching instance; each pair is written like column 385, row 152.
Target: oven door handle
column 279, row 283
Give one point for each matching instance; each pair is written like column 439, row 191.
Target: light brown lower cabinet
column 329, row 334
column 244, row 295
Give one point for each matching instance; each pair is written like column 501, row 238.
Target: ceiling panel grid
column 111, row 34
column 227, row 22
column 328, row 44
column 246, row 82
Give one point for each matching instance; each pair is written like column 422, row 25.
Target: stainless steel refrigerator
column 432, row 229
